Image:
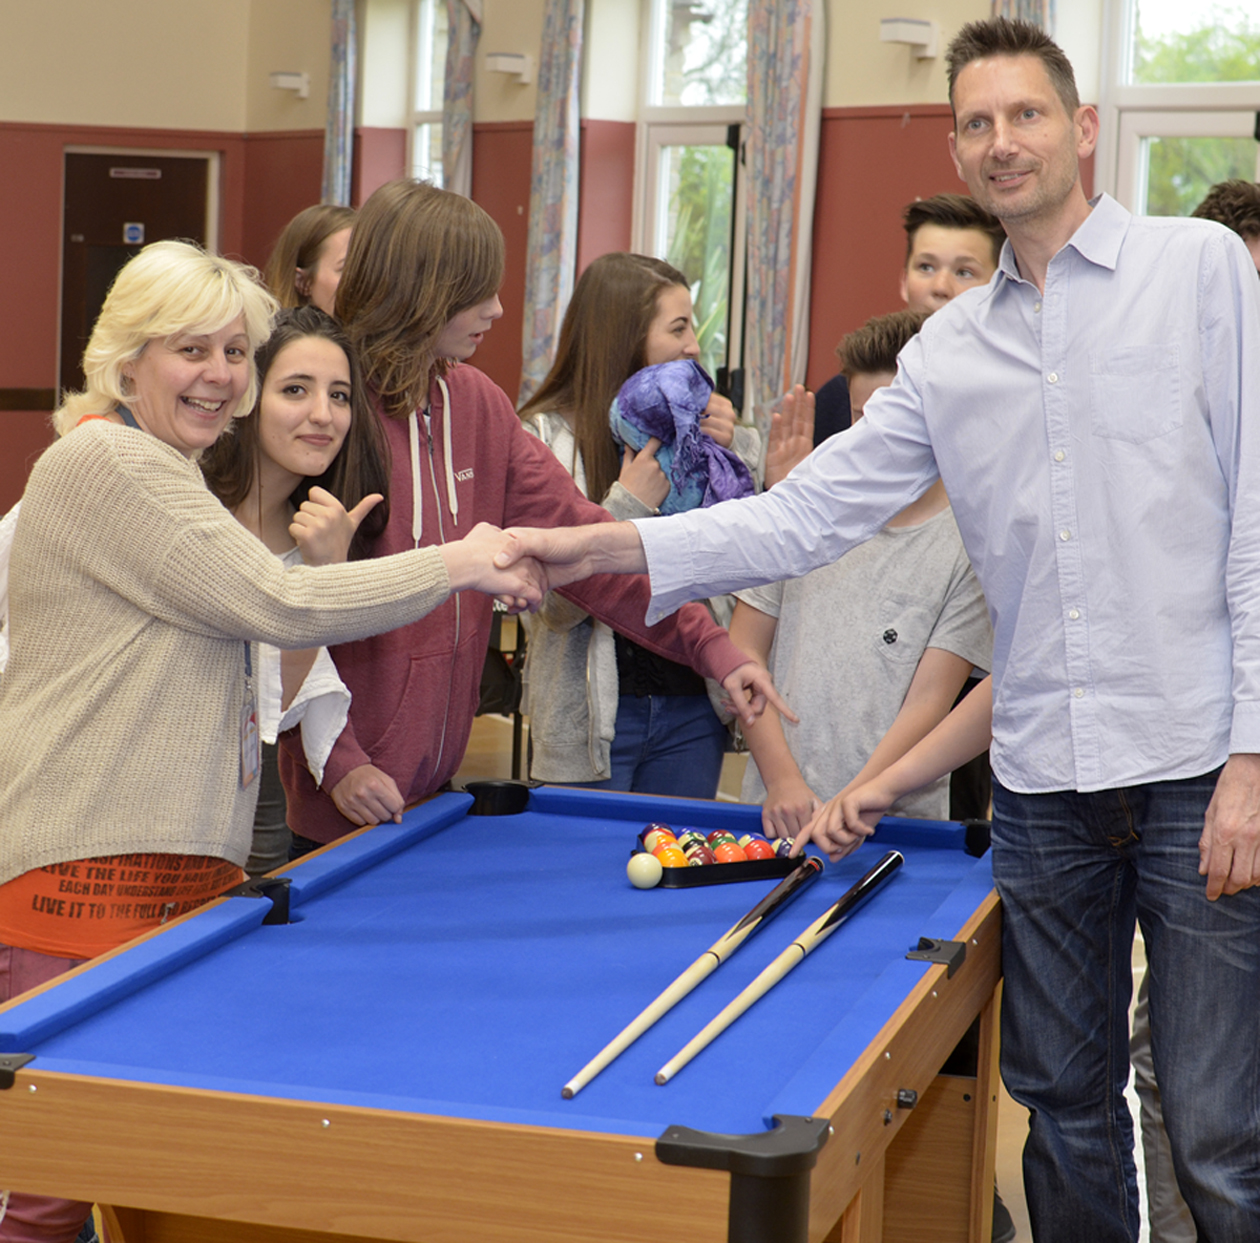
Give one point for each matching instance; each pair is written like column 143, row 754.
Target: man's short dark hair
column 874, row 347
column 1000, row 36
column 1235, row 204
column 952, row 211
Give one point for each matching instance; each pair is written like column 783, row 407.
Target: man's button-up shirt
column 1098, row 441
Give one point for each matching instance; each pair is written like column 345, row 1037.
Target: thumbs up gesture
column 323, row 529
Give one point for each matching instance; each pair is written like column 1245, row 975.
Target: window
column 689, row 201
column 1181, row 111
column 428, row 74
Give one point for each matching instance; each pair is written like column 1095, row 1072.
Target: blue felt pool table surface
column 469, row 966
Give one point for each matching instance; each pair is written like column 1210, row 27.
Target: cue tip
column 661, row 1078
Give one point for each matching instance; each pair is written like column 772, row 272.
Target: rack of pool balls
column 693, row 857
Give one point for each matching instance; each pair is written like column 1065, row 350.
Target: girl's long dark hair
column 359, row 469
column 602, row 343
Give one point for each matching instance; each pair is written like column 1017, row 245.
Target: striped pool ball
column 700, row 856
column 691, row 837
column 721, row 835
column 782, row 847
column 654, row 834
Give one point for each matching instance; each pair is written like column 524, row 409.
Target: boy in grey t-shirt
column 871, row 651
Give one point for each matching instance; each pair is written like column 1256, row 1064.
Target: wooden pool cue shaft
column 810, row 939
column 708, row 962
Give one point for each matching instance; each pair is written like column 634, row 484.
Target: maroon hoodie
column 415, row 690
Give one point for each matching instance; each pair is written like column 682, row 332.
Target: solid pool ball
column 671, row 857
column 758, row 848
column 720, row 835
column 644, row 870
column 729, row 852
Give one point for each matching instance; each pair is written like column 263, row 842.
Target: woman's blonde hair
column 168, row 289
column 418, row 256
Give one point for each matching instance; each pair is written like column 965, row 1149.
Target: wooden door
column 113, row 205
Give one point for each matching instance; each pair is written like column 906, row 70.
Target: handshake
column 520, row 565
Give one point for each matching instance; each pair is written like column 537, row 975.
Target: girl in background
column 603, row 710
column 418, row 294
column 309, row 451
column 308, row 257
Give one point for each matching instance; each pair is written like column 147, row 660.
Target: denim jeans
column 1074, row 871
column 665, row 744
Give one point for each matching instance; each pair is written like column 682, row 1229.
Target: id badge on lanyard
column 251, row 753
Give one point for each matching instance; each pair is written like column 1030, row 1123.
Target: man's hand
column 791, row 438
column 1229, row 850
column 719, row 419
column 323, row 529
column 473, row 563
column 749, row 688
column 366, row 795
column 790, row 805
column 568, row 554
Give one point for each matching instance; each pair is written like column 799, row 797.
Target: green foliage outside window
column 1223, row 47
column 700, row 240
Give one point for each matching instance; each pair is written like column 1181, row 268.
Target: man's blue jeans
column 1074, row 871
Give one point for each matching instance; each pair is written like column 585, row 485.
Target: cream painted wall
column 610, row 70
column 385, row 34
column 143, row 63
column 287, row 35
column 510, row 26
column 862, row 71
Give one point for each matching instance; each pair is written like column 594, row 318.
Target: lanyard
column 129, row 418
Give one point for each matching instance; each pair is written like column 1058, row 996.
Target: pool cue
column 709, row 961
column 810, row 939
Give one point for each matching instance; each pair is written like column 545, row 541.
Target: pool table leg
column 863, row 1220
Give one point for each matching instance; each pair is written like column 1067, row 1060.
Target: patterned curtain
column 551, row 260
column 339, row 132
column 464, row 24
column 786, row 50
column 1039, row 12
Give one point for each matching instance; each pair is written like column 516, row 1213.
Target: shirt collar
column 1098, row 239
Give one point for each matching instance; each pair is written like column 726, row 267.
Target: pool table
column 385, row 1059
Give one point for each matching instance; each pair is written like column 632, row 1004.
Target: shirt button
column 1074, row 614
column 1037, row 306
column 1053, row 377
column 1078, row 693
column 1059, row 455
column 1065, row 535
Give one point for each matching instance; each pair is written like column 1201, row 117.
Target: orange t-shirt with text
column 85, row 907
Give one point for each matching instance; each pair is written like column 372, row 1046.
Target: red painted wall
column 283, row 174
column 502, row 153
column 871, row 163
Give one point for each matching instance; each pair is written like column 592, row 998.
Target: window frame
column 1127, row 107
column 417, row 67
column 659, row 126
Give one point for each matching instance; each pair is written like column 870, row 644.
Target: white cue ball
column 644, row 870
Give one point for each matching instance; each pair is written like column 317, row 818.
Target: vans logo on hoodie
column 462, row 476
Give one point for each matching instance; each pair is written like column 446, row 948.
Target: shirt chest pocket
column 901, row 631
column 1135, row 392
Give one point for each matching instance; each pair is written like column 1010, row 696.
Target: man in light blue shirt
column 1094, row 412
